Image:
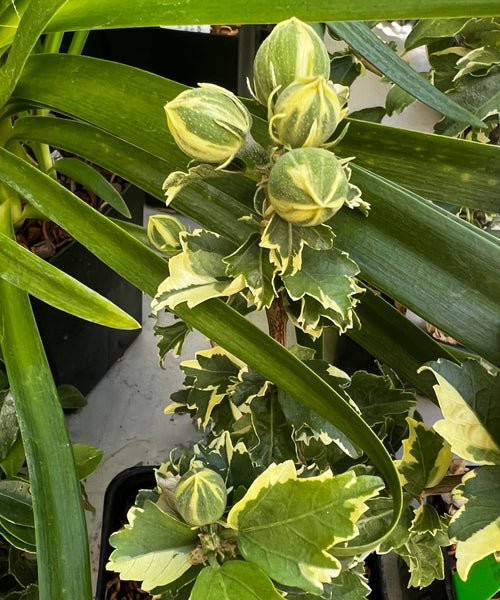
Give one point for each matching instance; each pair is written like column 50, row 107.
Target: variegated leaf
column 286, row 243
column 476, row 526
column 469, row 397
column 286, row 525
column 198, row 273
column 426, row 458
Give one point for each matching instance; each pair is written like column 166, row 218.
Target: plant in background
column 407, row 247
column 279, row 502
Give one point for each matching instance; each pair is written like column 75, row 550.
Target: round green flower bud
column 292, row 50
column 307, row 112
column 307, row 186
column 200, row 496
column 208, row 123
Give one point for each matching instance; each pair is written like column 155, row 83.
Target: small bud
column 163, row 233
column 292, row 50
column 307, row 186
column 307, row 112
column 208, row 123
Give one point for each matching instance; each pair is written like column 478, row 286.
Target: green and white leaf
column 252, row 262
column 198, row 273
column 286, row 243
column 250, row 385
column 234, row 580
column 423, row 555
column 480, row 94
column 476, row 526
column 426, row 519
column 426, row 458
column 329, row 278
column 351, row 584
column 312, row 317
column 478, row 62
column 154, row 548
column 285, row 525
column 214, row 368
column 179, row 179
column 469, row 399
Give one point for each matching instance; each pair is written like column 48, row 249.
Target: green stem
column 52, row 43
column 78, row 42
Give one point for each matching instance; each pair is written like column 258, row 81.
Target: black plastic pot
column 184, row 56
column 119, row 497
column 79, row 352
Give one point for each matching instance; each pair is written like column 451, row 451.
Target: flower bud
column 307, row 186
column 307, row 112
column 208, row 123
column 292, row 50
column 163, row 232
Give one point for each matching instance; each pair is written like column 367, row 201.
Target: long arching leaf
column 362, row 39
column 126, row 13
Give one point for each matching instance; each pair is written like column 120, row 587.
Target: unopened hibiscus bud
column 307, row 112
column 208, row 123
column 307, row 186
column 292, row 50
column 163, row 233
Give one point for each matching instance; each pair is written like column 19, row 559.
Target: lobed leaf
column 286, row 525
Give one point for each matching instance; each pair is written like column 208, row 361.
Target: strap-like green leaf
column 57, row 503
column 419, row 254
column 469, row 169
column 27, row 271
column 33, row 22
column 126, row 13
column 360, row 37
column 94, row 181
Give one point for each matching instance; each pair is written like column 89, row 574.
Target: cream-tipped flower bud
column 164, row 233
column 307, row 186
column 292, row 50
column 307, row 112
column 208, row 123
